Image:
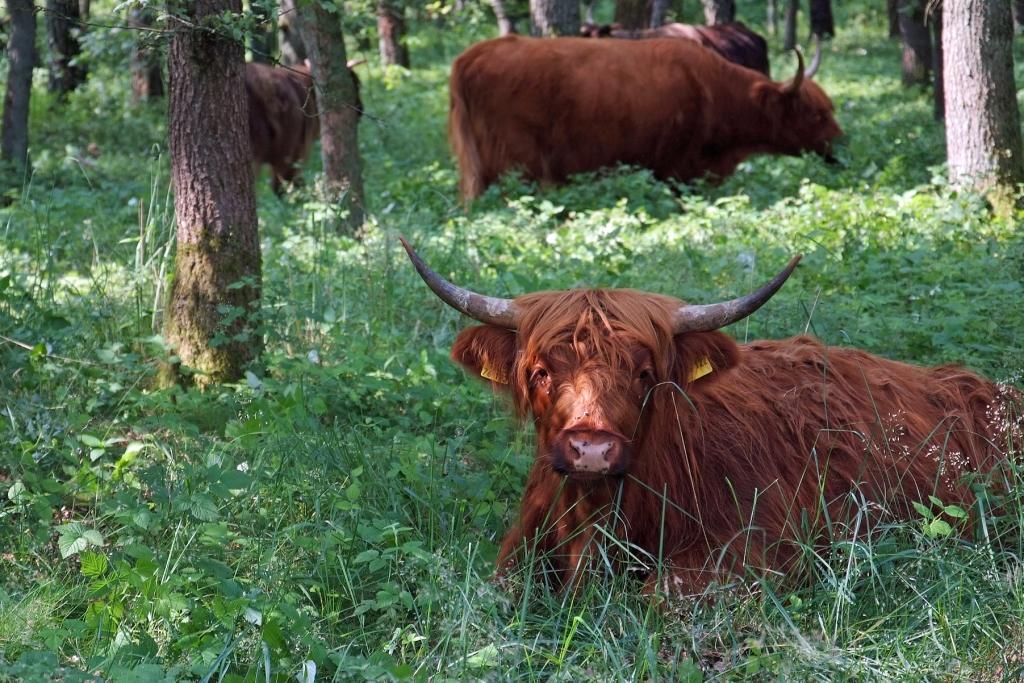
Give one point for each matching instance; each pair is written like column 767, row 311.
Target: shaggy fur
column 776, row 447
column 552, row 107
column 732, row 40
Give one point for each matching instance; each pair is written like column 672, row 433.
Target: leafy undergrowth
column 338, row 511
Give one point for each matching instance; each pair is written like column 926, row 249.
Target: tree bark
column 892, row 8
column 555, row 17
column 822, row 23
column 1018, row 15
column 21, row 55
column 659, row 9
column 505, row 26
column 217, row 281
column 293, row 50
column 917, row 46
column 772, row 17
column 633, row 14
column 939, row 89
column 144, row 61
column 789, row 34
column 719, row 11
column 337, row 103
column 391, row 33
column 63, row 24
column 263, row 42
column 983, row 139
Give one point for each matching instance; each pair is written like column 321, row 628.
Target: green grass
column 342, row 504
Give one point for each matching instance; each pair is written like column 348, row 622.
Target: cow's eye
column 538, row 376
column 645, row 375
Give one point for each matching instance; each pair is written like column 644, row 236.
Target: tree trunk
column 63, row 24
column 659, row 9
column 84, row 9
column 892, row 8
column 555, row 17
column 144, row 61
column 21, row 55
column 939, row 89
column 1018, row 15
column 391, row 33
column 917, row 45
column 263, row 42
column 293, row 50
column 772, row 17
column 217, row 281
column 505, row 26
column 983, row 139
column 633, row 14
column 719, row 11
column 337, row 103
column 822, row 23
column 789, row 36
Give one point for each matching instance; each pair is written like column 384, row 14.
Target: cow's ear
column 488, row 352
column 770, row 98
column 703, row 357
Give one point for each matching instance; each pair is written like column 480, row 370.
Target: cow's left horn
column 794, row 85
column 707, row 317
column 486, row 309
column 815, row 60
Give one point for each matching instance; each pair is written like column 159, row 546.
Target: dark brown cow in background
column 732, row 40
column 710, row 454
column 283, row 118
column 552, row 107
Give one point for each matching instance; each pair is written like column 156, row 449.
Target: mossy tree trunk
column 983, row 139
column 144, row 61
column 338, row 107
column 63, row 26
column 822, row 23
column 215, row 295
column 21, row 55
column 505, row 26
column 555, row 17
column 293, row 50
column 263, row 42
column 719, row 11
column 789, row 25
column 917, row 45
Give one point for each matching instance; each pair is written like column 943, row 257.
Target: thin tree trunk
column 339, row 112
column 555, row 17
column 144, row 61
column 820, row 14
column 983, row 139
column 263, row 42
column 21, row 55
column 789, row 35
column 772, row 17
column 659, row 9
column 391, row 33
column 84, row 9
column 293, row 50
column 917, row 42
column 939, row 89
column 216, row 289
column 719, row 11
column 63, row 24
column 504, row 23
column 892, row 8
column 633, row 14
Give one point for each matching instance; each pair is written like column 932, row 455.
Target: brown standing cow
column 732, row 40
column 556, row 106
column 283, row 117
column 713, row 455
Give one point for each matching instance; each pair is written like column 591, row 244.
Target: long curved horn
column 707, row 317
column 816, row 59
column 486, row 309
column 794, row 85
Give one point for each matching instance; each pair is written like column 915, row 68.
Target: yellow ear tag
column 703, row 367
column 493, row 373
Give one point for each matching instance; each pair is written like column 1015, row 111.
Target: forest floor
column 338, row 510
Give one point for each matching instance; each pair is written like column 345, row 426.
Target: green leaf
column 91, row 441
column 955, row 511
column 938, row 528
column 16, row 491
column 75, row 537
column 94, row 565
column 922, row 510
column 202, row 507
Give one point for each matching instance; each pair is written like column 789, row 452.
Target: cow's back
column 557, row 106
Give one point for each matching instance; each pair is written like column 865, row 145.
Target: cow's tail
column 461, row 137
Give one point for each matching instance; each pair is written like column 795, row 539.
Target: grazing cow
column 711, row 455
column 733, row 40
column 551, row 107
column 283, row 118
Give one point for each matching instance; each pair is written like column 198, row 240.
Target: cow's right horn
column 815, row 60
column 707, row 317
column 486, row 309
column 794, row 85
